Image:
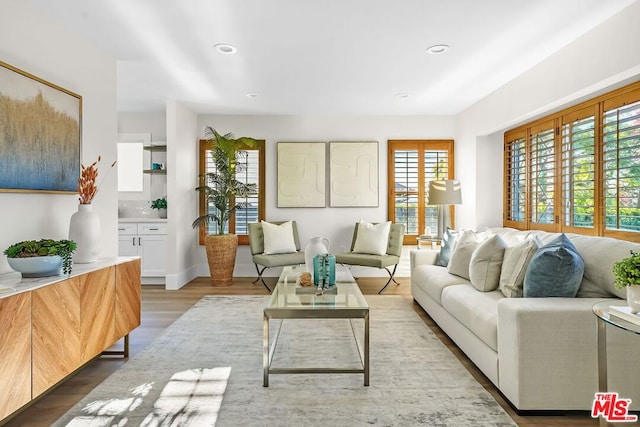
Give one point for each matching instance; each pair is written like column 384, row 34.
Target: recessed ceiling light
column 402, row 95
column 224, row 48
column 437, row 49
column 253, row 95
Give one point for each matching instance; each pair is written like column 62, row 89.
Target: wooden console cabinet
column 56, row 328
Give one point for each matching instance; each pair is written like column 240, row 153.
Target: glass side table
column 601, row 310
column 432, row 241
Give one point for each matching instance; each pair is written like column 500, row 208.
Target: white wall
column 334, row 223
column 154, row 123
column 34, row 43
column 182, row 199
column 604, row 58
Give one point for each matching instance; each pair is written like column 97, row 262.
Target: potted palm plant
column 220, row 190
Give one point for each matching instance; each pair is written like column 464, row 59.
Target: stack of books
column 624, row 312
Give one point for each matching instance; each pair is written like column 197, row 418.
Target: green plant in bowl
column 160, row 203
column 43, row 248
column 627, row 271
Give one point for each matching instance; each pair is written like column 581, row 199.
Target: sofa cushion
column 466, row 244
column 599, row 254
column 555, row 270
column 433, row 279
column 448, row 242
column 278, row 238
column 486, row 264
column 478, row 311
column 514, row 266
column 372, row 239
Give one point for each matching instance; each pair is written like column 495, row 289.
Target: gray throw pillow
column 448, row 242
column 486, row 264
column 555, row 270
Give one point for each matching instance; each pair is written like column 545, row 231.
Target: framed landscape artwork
column 353, row 174
column 301, row 174
column 40, row 134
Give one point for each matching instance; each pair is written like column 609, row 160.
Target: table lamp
column 444, row 193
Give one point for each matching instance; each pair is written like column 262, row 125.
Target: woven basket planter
column 221, row 255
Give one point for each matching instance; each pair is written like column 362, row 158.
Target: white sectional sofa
column 541, row 353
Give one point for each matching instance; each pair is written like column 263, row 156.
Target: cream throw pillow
column 278, row 239
column 486, row 264
column 514, row 266
column 466, row 244
column 372, row 239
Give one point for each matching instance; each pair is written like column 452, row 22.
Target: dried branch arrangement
column 87, row 183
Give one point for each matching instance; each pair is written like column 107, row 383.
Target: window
column 412, row 164
column 516, row 180
column 621, row 139
column 542, row 171
column 578, row 170
column 251, row 171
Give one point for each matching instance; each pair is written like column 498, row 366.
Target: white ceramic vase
column 316, row 246
column 84, row 229
column 633, row 298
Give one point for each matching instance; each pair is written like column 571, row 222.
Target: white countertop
column 13, row 283
column 142, row 220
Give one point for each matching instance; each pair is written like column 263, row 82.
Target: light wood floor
column 160, row 308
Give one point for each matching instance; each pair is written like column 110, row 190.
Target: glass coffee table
column 291, row 301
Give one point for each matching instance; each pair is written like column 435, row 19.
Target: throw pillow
column 448, row 242
column 278, row 238
column 514, row 266
column 466, row 244
column 555, row 270
column 486, row 264
column 372, row 239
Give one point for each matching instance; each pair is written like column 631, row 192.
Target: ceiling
column 324, row 56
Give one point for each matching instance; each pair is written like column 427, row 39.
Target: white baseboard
column 176, row 281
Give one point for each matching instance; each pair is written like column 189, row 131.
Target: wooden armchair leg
column 260, row 278
column 391, row 278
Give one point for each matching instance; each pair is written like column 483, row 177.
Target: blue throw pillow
column 555, row 270
column 448, row 241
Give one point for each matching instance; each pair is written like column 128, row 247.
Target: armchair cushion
column 372, row 238
column 278, row 238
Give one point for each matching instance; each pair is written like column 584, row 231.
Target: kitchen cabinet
column 147, row 240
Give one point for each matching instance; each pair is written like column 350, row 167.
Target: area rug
column 206, row 369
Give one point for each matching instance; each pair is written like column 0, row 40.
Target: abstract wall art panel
column 353, row 174
column 301, row 174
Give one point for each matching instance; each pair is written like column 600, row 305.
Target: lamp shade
column 445, row 192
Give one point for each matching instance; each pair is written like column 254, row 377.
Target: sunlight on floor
column 190, row 397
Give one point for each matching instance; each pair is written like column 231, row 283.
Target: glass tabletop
column 288, row 294
column 603, row 311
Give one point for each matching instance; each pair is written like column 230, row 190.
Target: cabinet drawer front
column 152, row 228
column 124, row 228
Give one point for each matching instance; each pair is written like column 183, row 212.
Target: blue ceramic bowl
column 38, row 266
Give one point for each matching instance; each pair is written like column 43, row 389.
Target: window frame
column 243, row 239
column 421, row 145
column 595, row 107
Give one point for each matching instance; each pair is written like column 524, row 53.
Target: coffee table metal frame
column 290, row 307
